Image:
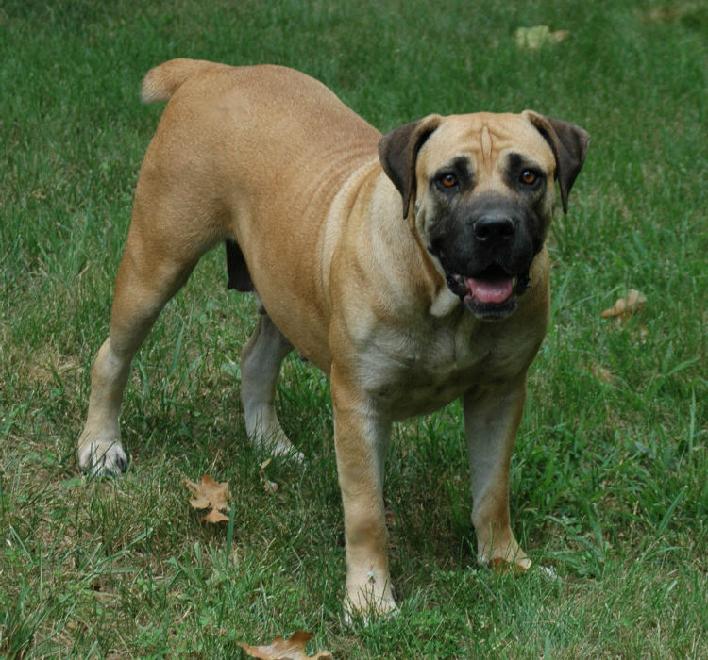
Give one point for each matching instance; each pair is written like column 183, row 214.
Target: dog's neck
column 394, row 240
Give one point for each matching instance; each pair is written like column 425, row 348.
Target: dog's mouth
column 490, row 294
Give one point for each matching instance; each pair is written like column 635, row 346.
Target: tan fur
column 271, row 158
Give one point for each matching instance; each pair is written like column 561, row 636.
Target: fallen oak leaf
column 292, row 648
column 625, row 307
column 210, row 494
column 215, row 516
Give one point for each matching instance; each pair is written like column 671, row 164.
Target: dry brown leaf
column 292, row 648
column 212, row 495
column 215, row 516
column 537, row 36
column 625, row 307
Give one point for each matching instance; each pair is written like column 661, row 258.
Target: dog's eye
column 528, row 177
column 448, row 181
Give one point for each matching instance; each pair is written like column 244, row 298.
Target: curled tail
column 161, row 82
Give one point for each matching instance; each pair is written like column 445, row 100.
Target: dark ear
column 568, row 143
column 398, row 151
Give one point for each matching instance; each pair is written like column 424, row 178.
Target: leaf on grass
column 269, row 486
column 215, row 516
column 212, row 495
column 292, row 648
column 625, row 307
column 537, row 36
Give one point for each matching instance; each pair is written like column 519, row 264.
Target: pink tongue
column 492, row 292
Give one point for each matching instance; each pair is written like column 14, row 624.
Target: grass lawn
column 609, row 475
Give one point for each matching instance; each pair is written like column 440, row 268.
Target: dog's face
column 478, row 190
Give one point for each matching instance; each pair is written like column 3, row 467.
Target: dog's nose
column 493, row 227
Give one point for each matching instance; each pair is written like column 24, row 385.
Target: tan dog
column 404, row 307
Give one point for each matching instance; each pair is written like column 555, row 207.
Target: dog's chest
column 418, row 371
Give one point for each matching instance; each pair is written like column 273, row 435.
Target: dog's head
column 478, row 190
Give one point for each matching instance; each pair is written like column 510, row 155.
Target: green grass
column 609, row 479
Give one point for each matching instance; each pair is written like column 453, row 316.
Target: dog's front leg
column 492, row 415
column 361, row 436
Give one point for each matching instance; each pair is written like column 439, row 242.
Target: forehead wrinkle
column 485, row 142
column 462, row 136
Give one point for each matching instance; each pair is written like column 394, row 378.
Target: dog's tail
column 161, row 82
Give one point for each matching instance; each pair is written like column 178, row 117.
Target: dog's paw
column 501, row 565
column 370, row 600
column 368, row 611
column 102, row 457
column 503, row 556
column 273, row 441
column 516, row 561
column 288, row 450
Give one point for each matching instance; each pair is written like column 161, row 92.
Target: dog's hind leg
column 154, row 267
column 260, row 365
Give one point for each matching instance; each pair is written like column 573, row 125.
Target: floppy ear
column 398, row 151
column 568, row 143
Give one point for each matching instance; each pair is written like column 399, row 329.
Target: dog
column 410, row 268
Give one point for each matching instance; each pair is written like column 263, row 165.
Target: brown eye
column 448, row 181
column 528, row 177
